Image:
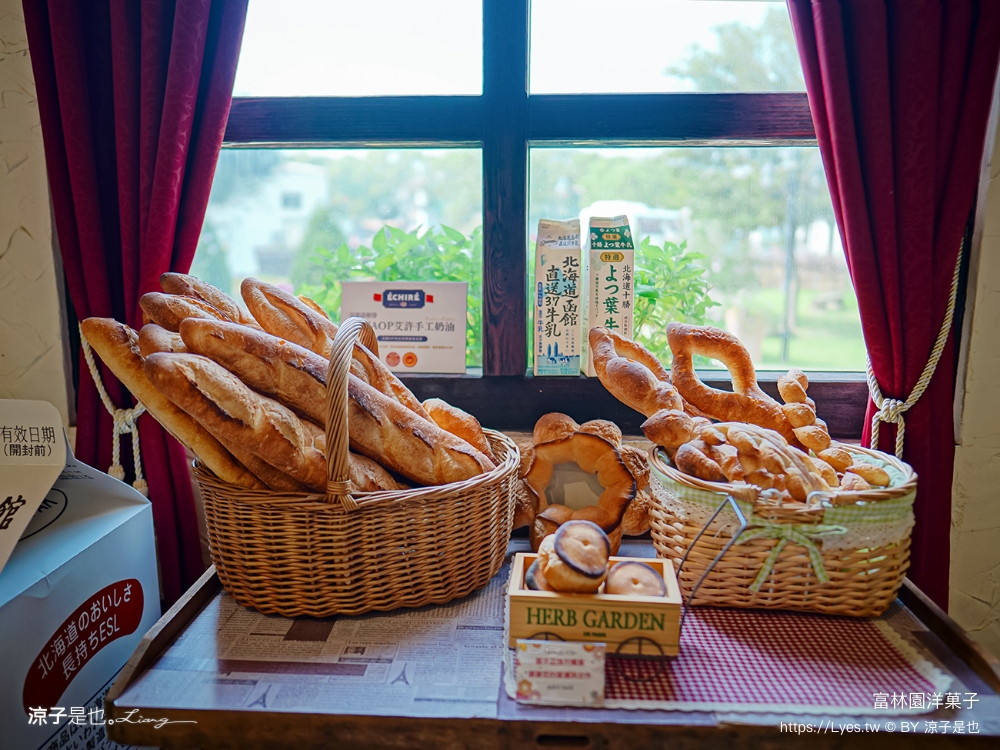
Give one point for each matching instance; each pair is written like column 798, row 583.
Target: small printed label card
column 420, row 325
column 32, row 454
column 559, row 672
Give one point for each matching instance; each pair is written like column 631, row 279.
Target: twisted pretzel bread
column 747, row 403
column 632, row 374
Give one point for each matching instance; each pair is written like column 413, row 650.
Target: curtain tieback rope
column 891, row 410
column 124, row 421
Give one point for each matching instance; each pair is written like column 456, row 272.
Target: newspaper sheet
column 437, row 661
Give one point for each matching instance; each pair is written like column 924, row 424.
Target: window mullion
column 505, row 186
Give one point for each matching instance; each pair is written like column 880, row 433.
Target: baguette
column 118, row 346
column 452, row 419
column 312, row 305
column 275, row 479
column 183, row 285
column 283, row 315
column 154, row 338
column 380, row 427
column 385, row 430
column 289, row 318
column 366, row 475
column 222, row 404
column 168, row 310
column 287, row 371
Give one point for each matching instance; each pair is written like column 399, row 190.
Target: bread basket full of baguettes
column 755, row 503
column 328, row 488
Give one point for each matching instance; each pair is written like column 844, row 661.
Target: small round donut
column 634, row 579
column 534, row 579
column 584, row 547
column 562, row 576
column 546, row 523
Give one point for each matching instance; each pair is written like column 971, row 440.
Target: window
column 539, row 115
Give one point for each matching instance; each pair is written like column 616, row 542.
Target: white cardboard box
column 420, row 325
column 610, row 281
column 77, row 594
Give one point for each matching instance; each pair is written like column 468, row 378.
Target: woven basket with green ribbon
column 844, row 555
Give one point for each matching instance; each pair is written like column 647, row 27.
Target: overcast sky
column 386, row 47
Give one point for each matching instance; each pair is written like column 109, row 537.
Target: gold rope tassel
column 124, row 422
column 891, row 410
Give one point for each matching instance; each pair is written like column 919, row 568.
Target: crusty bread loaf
column 385, row 430
column 287, row 317
column 379, row 427
column 275, row 479
column 312, row 305
column 190, row 286
column 382, row 379
column 293, row 375
column 118, row 346
column 452, row 419
column 366, row 475
column 154, row 338
column 283, row 315
column 168, row 310
column 222, row 404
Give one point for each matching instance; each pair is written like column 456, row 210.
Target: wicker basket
column 844, row 555
column 298, row 554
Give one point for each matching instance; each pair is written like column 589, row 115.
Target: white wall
column 974, row 599
column 32, row 350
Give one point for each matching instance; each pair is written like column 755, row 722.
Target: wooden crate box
column 627, row 624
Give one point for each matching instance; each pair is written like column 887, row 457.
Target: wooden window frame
column 504, row 122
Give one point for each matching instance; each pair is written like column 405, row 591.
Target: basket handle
column 338, row 486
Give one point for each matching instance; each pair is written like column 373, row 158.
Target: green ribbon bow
column 805, row 535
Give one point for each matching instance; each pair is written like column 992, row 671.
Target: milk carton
column 610, row 281
column 557, row 298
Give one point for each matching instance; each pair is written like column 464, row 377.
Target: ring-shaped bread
column 594, row 455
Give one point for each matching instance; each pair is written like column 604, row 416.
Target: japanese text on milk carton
column 610, row 272
column 557, row 298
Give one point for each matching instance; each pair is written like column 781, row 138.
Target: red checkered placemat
column 751, row 660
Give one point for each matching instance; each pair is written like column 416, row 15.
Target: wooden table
column 516, row 725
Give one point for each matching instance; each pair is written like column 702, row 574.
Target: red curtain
column 900, row 95
column 133, row 98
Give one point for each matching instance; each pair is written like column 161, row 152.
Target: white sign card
column 420, row 325
column 559, row 672
column 32, row 455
